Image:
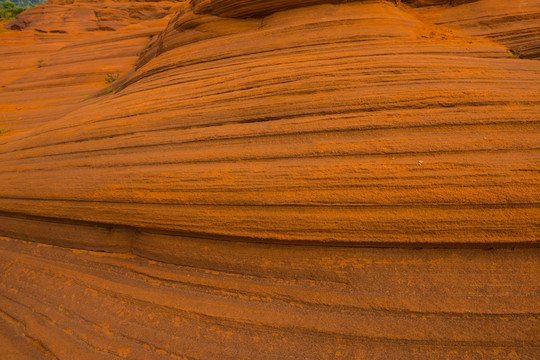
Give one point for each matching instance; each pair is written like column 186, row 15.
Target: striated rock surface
column 349, row 123
column 69, row 16
column 516, row 26
column 300, row 179
column 255, row 301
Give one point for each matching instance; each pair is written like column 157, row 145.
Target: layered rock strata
column 273, row 179
column 255, row 301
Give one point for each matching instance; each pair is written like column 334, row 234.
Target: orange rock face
column 302, row 179
column 69, row 16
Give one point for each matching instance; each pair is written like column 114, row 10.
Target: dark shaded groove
column 262, row 241
column 468, row 206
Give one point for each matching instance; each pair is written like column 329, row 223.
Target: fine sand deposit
column 270, row 179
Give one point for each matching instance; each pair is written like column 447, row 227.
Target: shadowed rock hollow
column 271, row 179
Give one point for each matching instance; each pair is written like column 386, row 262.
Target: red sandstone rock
column 69, row 16
column 311, row 179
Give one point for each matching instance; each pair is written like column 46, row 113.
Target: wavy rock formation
column 307, row 179
column 517, row 26
column 255, row 301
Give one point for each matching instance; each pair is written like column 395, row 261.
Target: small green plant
column 86, row 98
column 109, row 89
column 4, row 130
column 9, row 11
column 112, row 77
column 40, row 63
column 516, row 53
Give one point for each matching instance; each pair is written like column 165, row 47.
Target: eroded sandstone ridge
column 301, row 179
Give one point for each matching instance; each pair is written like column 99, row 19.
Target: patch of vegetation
column 109, row 89
column 27, row 3
column 40, row 63
column 112, row 77
column 4, row 130
column 9, row 10
column 516, row 53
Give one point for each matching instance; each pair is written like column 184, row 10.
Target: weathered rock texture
column 276, row 179
column 68, row 16
column 255, row 301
